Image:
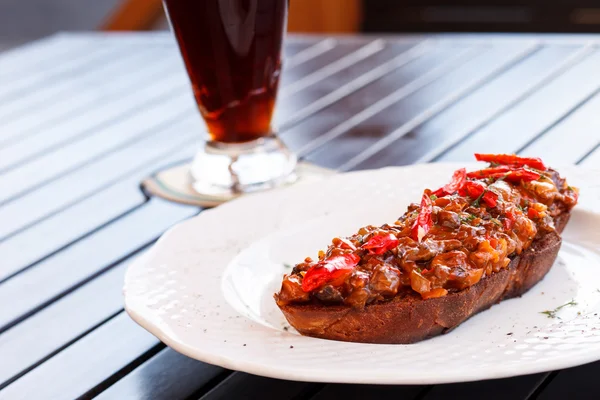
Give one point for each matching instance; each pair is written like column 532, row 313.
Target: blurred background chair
column 347, row 16
column 22, row 21
column 311, row 16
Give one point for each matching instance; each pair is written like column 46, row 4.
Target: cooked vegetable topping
column 423, row 222
column 460, row 233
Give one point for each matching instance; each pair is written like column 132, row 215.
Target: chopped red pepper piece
column 512, row 159
column 532, row 213
column 509, row 220
column 424, row 221
column 478, row 190
column 379, row 244
column 330, row 270
column 474, row 189
column 490, row 198
column 459, row 178
column 484, row 173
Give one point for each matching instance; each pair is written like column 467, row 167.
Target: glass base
column 231, row 169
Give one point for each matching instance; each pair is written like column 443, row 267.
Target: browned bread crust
column 408, row 318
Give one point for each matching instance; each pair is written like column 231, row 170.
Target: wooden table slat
column 580, row 130
column 133, row 161
column 154, row 103
column 76, row 222
column 429, row 78
column 69, row 268
column 518, row 126
column 344, row 55
column 520, row 387
column 94, row 359
column 44, row 169
column 432, row 139
column 167, row 375
column 574, row 383
column 57, row 72
column 306, row 52
column 55, row 103
column 252, row 387
column 290, row 49
column 474, row 81
column 33, row 57
column 291, row 87
column 16, row 179
column 361, row 105
column 63, row 322
column 416, row 108
column 335, row 94
column 361, row 392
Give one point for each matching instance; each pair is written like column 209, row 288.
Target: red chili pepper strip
column 484, row 173
column 329, row 270
column 424, row 221
column 516, row 175
column 512, row 159
column 379, row 244
column 490, row 198
column 459, row 178
column 522, row 175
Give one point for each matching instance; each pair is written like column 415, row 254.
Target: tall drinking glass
column 232, row 53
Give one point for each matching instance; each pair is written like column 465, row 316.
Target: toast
column 412, row 313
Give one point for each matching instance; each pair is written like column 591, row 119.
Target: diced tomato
column 490, row 198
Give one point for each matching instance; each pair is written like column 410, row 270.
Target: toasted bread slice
column 408, row 318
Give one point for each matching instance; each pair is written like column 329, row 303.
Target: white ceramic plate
column 206, row 289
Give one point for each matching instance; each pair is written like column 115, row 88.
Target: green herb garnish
column 468, row 218
column 476, row 202
column 433, row 197
column 495, row 221
column 552, row 313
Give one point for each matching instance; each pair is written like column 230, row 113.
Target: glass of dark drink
column 232, row 53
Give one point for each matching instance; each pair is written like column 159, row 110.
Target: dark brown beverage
column 232, row 52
